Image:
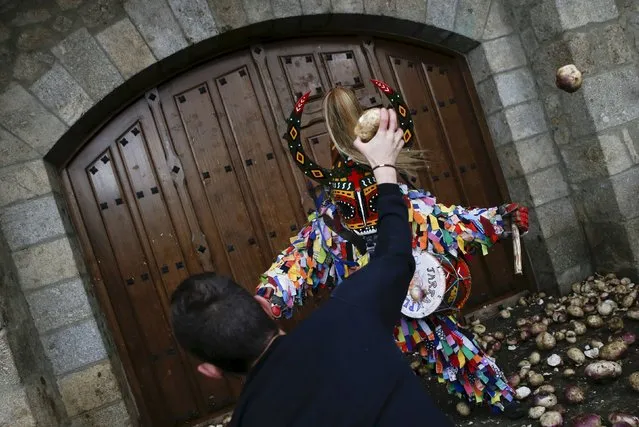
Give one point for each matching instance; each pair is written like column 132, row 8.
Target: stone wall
column 595, row 129
column 66, row 66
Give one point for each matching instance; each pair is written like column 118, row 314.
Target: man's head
column 221, row 323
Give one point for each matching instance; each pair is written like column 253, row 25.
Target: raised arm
column 381, row 286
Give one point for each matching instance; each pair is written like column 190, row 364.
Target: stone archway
column 76, row 63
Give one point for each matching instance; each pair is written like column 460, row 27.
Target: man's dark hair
column 219, row 322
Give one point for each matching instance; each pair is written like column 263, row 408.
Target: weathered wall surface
column 572, row 158
column 595, row 129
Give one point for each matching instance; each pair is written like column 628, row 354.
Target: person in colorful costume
column 340, row 237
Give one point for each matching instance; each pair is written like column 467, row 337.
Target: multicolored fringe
column 453, row 229
column 319, row 257
column 455, row 358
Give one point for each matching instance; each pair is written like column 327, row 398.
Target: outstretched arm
column 459, row 230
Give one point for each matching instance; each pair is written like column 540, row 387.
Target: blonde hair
column 341, row 112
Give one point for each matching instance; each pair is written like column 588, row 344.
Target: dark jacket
column 341, row 366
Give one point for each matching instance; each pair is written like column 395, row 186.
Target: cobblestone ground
column 601, row 398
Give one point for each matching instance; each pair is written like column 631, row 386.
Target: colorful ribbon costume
column 340, row 236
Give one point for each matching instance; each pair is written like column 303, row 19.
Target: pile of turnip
column 602, row 303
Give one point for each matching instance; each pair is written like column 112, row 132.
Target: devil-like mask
column 352, row 186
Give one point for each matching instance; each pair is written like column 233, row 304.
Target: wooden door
column 462, row 166
column 196, row 177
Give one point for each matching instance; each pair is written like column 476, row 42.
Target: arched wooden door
column 196, row 177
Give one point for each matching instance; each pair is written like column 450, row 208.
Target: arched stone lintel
column 263, row 32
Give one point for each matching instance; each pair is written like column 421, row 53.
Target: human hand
column 518, row 215
column 385, row 146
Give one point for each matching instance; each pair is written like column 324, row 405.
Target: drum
column 440, row 284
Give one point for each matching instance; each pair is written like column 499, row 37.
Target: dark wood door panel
column 169, row 260
column 133, row 290
column 252, row 130
column 216, row 171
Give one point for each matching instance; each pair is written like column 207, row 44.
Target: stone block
column 515, row 87
column 596, row 202
column 228, row 14
column 529, row 42
column 71, row 348
column 519, row 122
column 5, row 33
column 568, row 249
column 88, row 64
column 546, row 60
column 618, row 153
column 12, row 150
column 31, row 65
column 68, row 4
column 9, row 376
column 33, row 221
column 471, row 17
column 536, row 153
column 55, row 306
column 112, row 416
column 631, row 140
column 545, row 20
column 15, row 410
column 478, row 63
column 157, row 25
column 584, row 160
column 519, row 191
column 632, row 231
column 286, row 8
column 498, row 22
column 18, row 113
column 542, row 268
column 23, row 181
column 34, row 38
column 195, row 18
column 46, row 263
column 509, row 161
column 62, row 94
column 577, row 273
column 30, row 16
column 380, row 7
column 100, row 13
column 600, row 48
column 318, row 7
column 258, row 10
column 556, row 216
column 547, row 185
column 611, row 98
column 62, row 24
column 609, row 245
column 505, row 53
column 126, row 48
column 489, row 96
column 88, row 389
column 348, row 6
column 441, row 14
column 577, row 13
column 625, row 186
column 412, row 10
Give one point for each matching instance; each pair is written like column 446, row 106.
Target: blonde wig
column 341, row 112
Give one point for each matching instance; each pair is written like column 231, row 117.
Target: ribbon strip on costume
column 319, row 256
